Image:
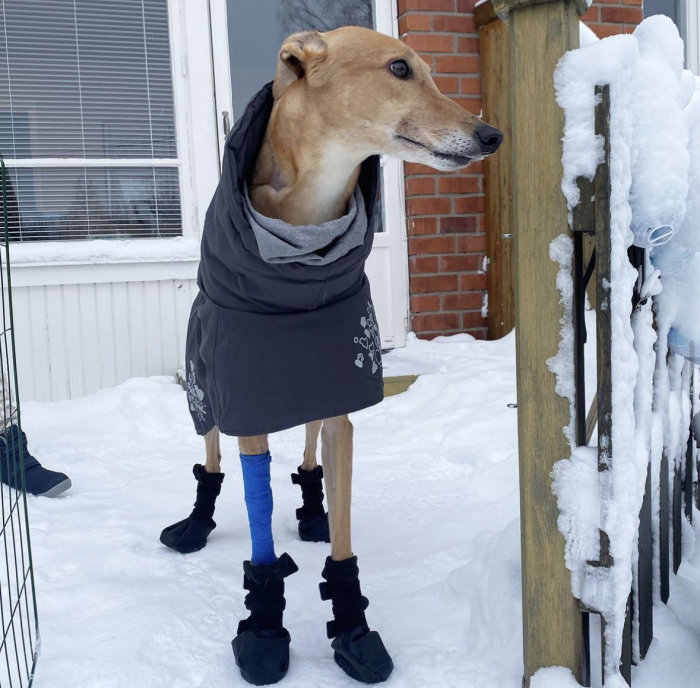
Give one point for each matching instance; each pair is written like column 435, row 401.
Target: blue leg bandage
column 258, row 500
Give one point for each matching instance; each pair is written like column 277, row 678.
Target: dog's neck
column 300, row 177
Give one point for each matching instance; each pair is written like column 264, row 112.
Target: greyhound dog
column 301, row 160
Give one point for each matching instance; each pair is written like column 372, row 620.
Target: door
column 245, row 57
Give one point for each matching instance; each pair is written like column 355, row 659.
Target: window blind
column 87, row 121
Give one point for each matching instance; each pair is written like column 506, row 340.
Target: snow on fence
column 18, row 613
column 630, row 138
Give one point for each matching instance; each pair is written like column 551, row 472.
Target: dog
column 283, row 331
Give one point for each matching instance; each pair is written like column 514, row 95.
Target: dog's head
column 369, row 93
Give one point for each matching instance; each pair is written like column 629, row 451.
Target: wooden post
column 494, row 49
column 541, row 31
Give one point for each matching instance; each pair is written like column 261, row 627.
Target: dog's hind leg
column 358, row 651
column 190, row 534
column 313, row 520
column 261, row 646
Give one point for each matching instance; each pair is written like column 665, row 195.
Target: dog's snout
column 489, row 138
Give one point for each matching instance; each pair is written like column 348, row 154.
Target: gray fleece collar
column 280, row 242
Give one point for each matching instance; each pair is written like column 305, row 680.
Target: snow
column 435, row 523
column 104, row 251
column 649, row 93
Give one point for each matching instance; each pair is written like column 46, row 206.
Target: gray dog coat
column 274, row 343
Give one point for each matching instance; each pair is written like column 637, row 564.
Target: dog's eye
column 400, row 69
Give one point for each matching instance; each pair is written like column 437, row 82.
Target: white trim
column 223, row 97
column 92, row 162
column 691, row 17
column 386, row 18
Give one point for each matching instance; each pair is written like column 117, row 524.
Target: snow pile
column 649, row 163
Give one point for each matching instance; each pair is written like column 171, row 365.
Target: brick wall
column 608, row 17
column 445, row 211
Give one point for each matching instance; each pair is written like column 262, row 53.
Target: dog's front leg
column 336, row 454
column 358, row 651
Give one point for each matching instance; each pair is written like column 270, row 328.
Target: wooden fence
column 525, row 212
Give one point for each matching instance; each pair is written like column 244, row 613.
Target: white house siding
column 75, row 335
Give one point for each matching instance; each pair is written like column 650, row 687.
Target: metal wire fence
column 18, row 611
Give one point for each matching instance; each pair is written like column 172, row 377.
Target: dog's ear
column 299, row 54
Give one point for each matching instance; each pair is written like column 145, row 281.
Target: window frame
column 197, row 161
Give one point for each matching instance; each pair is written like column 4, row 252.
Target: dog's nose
column 489, row 138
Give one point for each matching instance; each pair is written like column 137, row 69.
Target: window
column 87, row 123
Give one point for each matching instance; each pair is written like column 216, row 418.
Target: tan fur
column 337, row 103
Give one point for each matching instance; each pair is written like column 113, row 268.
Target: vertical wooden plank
column 121, row 325
column 168, row 325
column 664, row 530
column 626, row 657
column 73, row 338
column 23, row 342
column 55, row 322
column 136, row 325
column 152, row 332
column 495, row 69
column 106, row 336
column 90, row 345
column 40, row 350
column 540, row 34
column 645, row 585
column 677, row 517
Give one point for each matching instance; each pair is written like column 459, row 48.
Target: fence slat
column 645, row 577
column 664, row 530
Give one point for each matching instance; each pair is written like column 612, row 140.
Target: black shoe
column 16, row 462
column 261, row 648
column 313, row 520
column 190, row 534
column 359, row 652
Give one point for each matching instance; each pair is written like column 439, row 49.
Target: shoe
column 190, row 534
column 313, row 520
column 16, row 462
column 261, row 648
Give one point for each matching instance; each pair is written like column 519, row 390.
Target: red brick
column 422, row 225
column 470, row 85
column 454, row 23
column 468, row 46
column 458, row 224
column 416, row 168
column 414, row 22
column 426, row 5
column 456, row 64
column 621, row 15
column 604, row 30
column 478, row 332
column 469, row 204
column 430, row 42
column 472, row 104
column 426, row 284
column 417, row 186
column 475, row 243
column 462, row 302
column 435, row 322
column 447, row 84
column 472, row 282
column 423, row 265
column 421, row 246
column 428, row 59
column 458, row 185
column 425, row 303
column 463, row 262
column 593, row 15
column 466, row 5
column 432, row 205
column 473, row 319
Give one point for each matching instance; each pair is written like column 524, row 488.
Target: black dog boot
column 359, row 652
column 261, row 648
column 190, row 534
column 313, row 520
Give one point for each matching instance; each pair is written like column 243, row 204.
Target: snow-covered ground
column 435, row 523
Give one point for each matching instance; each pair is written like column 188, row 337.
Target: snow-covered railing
column 630, row 108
